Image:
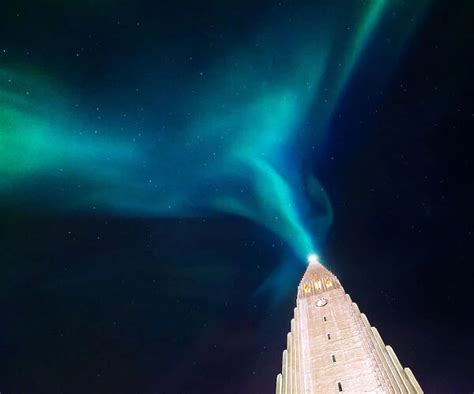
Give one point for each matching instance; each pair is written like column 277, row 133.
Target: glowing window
column 307, row 288
column 318, row 285
column 333, row 358
column 339, row 386
column 328, row 282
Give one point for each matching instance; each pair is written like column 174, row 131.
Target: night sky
column 165, row 167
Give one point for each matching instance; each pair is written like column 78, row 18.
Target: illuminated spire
column 331, row 346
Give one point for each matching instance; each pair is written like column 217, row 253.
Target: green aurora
column 237, row 141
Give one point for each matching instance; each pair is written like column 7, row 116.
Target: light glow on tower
column 313, row 258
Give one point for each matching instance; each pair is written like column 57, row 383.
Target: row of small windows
column 317, row 285
column 333, row 357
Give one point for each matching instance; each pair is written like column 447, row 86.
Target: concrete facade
column 332, row 347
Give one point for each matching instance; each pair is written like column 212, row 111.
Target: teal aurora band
column 233, row 139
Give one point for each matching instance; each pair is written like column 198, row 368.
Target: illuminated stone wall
column 332, row 348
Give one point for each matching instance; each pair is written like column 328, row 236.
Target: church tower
column 332, row 348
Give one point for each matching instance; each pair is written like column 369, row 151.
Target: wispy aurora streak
column 236, row 143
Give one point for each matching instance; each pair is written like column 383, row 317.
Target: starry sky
column 165, row 168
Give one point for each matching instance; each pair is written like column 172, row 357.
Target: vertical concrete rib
column 413, row 381
column 284, row 373
column 393, row 372
column 278, row 384
column 289, row 361
column 400, row 370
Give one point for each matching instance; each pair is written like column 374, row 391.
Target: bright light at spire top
column 313, row 258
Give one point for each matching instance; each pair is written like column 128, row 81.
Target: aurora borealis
column 166, row 166
column 232, row 138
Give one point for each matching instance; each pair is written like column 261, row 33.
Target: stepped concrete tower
column 332, row 348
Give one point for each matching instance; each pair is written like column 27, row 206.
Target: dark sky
column 99, row 303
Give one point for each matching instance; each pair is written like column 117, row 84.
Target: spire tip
column 313, row 258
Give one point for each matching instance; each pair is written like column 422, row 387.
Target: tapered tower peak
column 332, row 348
column 317, row 279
